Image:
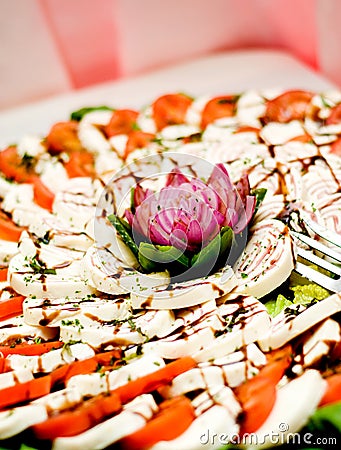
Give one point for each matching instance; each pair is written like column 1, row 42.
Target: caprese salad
column 148, row 293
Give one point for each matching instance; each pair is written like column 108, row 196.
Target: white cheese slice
column 7, row 251
column 96, row 383
column 31, row 145
column 136, row 330
column 9, row 379
column 319, row 342
column 18, row 419
column 177, row 345
column 187, row 293
column 107, row 273
column 15, row 329
column 52, row 312
column 275, row 133
column 267, row 260
column 286, row 326
column 67, row 281
column 92, row 138
column 49, row 361
column 246, row 321
column 5, row 186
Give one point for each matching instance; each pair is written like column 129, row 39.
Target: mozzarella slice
column 177, row 345
column 97, row 333
column 7, row 251
column 134, row 417
column 96, row 383
column 14, row 377
column 52, row 312
column 267, row 260
column 294, row 404
column 109, row 274
column 230, row 370
column 67, row 281
column 246, row 321
column 18, row 419
column 15, row 329
column 275, row 133
column 297, row 319
column 319, row 343
column 52, row 359
column 188, row 293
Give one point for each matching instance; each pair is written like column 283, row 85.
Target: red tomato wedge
column 122, row 121
column 64, row 373
column 11, row 307
column 335, row 115
column 154, row 380
column 292, row 105
column 11, row 165
column 42, row 194
column 217, row 108
column 80, row 164
column 3, row 273
column 30, row 349
column 81, row 418
column 247, row 129
column 333, row 390
column 23, row 392
column 258, row 395
column 63, row 137
column 170, row 109
column 9, row 231
column 336, row 147
column 173, row 418
column 137, row 139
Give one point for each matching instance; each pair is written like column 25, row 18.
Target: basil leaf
column 122, row 228
column 80, row 113
column 162, row 254
column 327, row 415
column 208, row 254
column 227, row 235
column 259, row 194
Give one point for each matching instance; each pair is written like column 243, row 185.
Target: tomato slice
column 9, row 231
column 30, row 349
column 258, row 395
column 3, row 273
column 154, row 380
column 170, row 109
column 89, row 365
column 335, row 115
column 333, row 390
column 336, row 147
column 11, row 307
column 12, row 166
column 291, row 105
column 81, row 418
column 63, row 137
column 23, row 392
column 217, row 108
column 122, row 121
column 173, row 419
column 42, row 194
column 80, row 164
column 137, row 139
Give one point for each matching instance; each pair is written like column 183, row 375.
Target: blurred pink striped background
column 53, row 46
